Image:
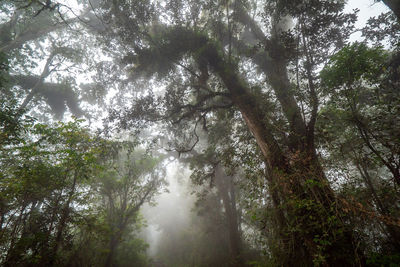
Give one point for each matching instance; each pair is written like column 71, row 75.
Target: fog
column 199, row 133
column 173, row 208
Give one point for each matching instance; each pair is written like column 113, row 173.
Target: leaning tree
column 261, row 61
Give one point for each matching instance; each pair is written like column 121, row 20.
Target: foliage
column 359, row 130
column 289, row 130
column 48, row 178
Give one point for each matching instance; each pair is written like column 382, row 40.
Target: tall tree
column 130, row 182
column 203, row 59
column 41, row 174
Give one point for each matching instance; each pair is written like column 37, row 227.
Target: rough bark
column 273, row 63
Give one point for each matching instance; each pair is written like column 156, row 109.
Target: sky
column 368, row 9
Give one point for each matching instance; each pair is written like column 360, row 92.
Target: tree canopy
column 287, row 129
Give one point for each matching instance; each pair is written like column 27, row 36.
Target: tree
column 360, row 113
column 46, row 34
column 226, row 194
column 203, row 60
column 40, row 178
column 64, row 190
column 130, row 181
column 201, row 233
column 269, row 96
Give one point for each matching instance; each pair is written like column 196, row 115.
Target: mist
column 179, row 133
column 172, row 212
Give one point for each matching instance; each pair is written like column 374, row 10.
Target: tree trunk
column 313, row 216
column 394, row 5
column 308, row 198
column 63, row 222
column 224, row 185
column 112, row 247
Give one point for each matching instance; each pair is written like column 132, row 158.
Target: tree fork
column 283, row 170
column 300, row 172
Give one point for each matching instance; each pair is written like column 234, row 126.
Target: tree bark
column 113, row 244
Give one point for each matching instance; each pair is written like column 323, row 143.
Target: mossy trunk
column 308, row 208
column 313, row 215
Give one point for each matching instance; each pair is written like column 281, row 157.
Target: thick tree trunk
column 308, row 198
column 394, row 5
column 313, row 216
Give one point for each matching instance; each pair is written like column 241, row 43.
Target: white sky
column 368, row 8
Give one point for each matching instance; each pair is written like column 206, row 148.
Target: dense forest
column 199, row 133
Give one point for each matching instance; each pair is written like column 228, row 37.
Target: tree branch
column 46, row 71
